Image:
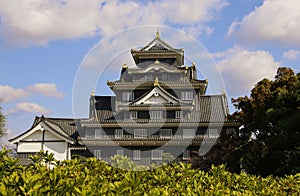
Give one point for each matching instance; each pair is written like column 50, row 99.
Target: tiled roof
column 66, row 126
column 211, row 108
column 158, row 44
column 104, row 115
column 208, row 109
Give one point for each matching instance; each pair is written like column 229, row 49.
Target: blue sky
column 43, row 44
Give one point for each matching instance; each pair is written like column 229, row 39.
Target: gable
column 156, row 99
column 36, row 134
column 157, row 44
column 157, row 96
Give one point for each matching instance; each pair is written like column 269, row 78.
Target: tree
column 2, row 123
column 271, row 128
column 225, row 151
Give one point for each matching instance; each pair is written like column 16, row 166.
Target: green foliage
column 2, row 123
column 271, row 115
column 94, row 177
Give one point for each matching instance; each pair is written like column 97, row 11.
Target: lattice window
column 187, row 95
column 97, row 154
column 213, row 133
column 127, row 96
column 99, row 133
column 118, row 133
column 155, row 114
column 133, row 114
column 166, row 133
column 186, row 154
column 120, row 152
column 178, row 114
column 156, row 154
column 140, row 133
column 188, row 133
column 136, row 155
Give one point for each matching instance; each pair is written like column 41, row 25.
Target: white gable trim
column 157, row 92
column 157, row 41
column 39, row 127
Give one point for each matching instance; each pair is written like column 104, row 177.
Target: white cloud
column 38, row 22
column 242, row 69
column 46, row 89
column 28, row 107
column 275, row 21
column 291, row 54
column 8, row 93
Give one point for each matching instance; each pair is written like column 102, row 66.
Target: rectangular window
column 118, row 133
column 140, row 133
column 156, row 154
column 136, row 155
column 166, row 133
column 187, row 95
column 133, row 114
column 97, row 154
column 188, row 133
column 213, row 133
column 99, row 133
column 178, row 114
column 186, row 154
column 155, row 114
column 127, row 96
column 120, row 152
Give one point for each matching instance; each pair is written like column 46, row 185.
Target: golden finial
column 93, row 93
column 223, row 92
column 156, row 61
column 124, row 66
column 157, row 33
column 156, row 83
column 186, row 67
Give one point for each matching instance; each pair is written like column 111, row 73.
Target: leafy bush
column 94, row 177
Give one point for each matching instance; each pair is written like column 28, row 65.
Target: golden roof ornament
column 124, row 66
column 93, row 93
column 157, row 34
column 186, row 67
column 156, row 61
column 223, row 92
column 156, row 83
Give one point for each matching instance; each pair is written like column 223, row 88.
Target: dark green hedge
column 94, row 177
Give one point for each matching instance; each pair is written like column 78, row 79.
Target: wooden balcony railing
column 148, row 138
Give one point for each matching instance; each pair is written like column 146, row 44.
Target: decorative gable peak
column 158, row 44
column 157, row 96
